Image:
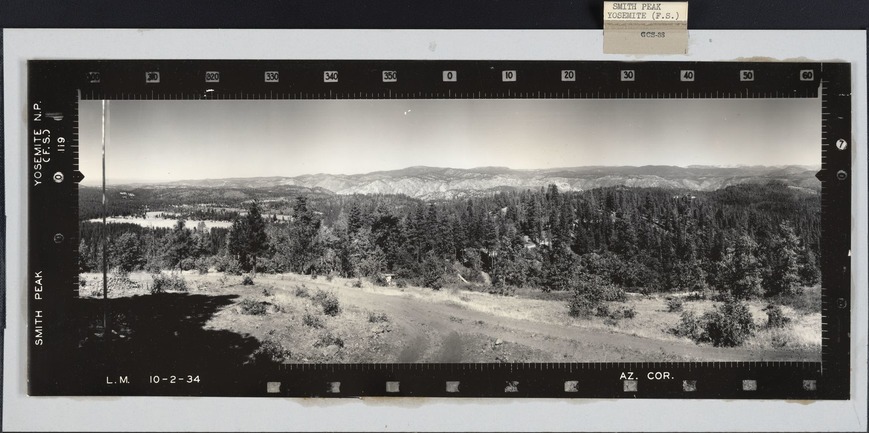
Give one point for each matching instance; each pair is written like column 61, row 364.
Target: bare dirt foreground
column 294, row 318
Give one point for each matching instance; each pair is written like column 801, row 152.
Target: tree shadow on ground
column 164, row 330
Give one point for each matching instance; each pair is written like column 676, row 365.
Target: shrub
column 120, row 280
column 319, row 296
column 311, row 320
column 267, row 265
column 266, row 291
column 328, row 339
column 202, row 266
column 470, row 275
column 674, row 304
column 328, row 301
column 377, row 317
column 270, row 351
column 330, row 276
column 587, row 295
column 253, row 308
column 602, row 310
column 379, row 280
column 226, row 264
column 434, row 284
column 580, row 306
column 301, row 291
column 432, row 272
column 729, row 324
column 612, row 293
column 117, row 281
column 188, row 264
column 247, row 280
column 401, row 283
column 161, row 283
column 357, row 284
column 614, row 315
column 776, row 317
column 689, row 326
column 232, row 267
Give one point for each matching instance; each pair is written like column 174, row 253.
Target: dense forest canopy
column 748, row 239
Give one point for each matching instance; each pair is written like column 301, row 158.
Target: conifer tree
column 256, row 233
column 810, row 274
column 247, row 238
column 126, row 252
column 740, row 269
column 354, row 220
column 783, row 262
column 561, row 269
column 179, row 245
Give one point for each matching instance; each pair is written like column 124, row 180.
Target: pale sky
column 178, row 140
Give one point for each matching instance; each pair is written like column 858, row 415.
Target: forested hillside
column 748, row 239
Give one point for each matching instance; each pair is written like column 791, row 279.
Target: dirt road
column 441, row 330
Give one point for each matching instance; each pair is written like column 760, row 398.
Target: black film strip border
column 56, row 86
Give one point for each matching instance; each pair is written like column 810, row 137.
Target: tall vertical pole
column 105, row 232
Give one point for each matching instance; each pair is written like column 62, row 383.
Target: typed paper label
column 645, row 27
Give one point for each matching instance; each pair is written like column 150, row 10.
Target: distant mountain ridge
column 447, row 183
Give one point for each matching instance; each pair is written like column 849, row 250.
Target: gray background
column 229, row 414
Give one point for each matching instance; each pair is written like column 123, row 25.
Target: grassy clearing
column 652, row 315
column 652, row 318
column 309, row 324
column 300, row 319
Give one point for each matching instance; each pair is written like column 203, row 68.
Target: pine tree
column 126, row 253
column 416, row 233
column 201, row 244
column 783, row 262
column 86, row 261
column 740, row 269
column 247, row 239
column 387, row 235
column 560, row 271
column 302, row 238
column 354, row 220
column 360, row 250
column 533, row 225
column 236, row 242
column 626, row 238
column 256, row 241
column 179, row 245
column 810, row 274
column 690, row 276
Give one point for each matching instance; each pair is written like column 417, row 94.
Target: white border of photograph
column 21, row 412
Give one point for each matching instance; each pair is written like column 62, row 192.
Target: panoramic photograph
column 450, row 231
